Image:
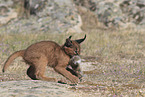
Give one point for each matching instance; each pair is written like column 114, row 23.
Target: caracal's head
column 72, row 47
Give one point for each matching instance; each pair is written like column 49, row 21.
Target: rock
column 89, row 4
column 30, row 88
column 11, row 15
column 116, row 13
column 57, row 16
column 36, row 6
column 6, row 14
column 3, row 9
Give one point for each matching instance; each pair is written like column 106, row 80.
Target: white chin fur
column 79, row 61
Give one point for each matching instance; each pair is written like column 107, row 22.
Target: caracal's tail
column 11, row 58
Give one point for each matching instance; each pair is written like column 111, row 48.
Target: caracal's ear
column 70, row 37
column 68, row 42
column 81, row 40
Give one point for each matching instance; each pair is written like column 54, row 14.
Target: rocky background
column 59, row 16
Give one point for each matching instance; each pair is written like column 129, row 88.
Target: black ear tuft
column 68, row 42
column 70, row 37
column 81, row 40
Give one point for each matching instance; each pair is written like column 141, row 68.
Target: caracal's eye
column 76, row 51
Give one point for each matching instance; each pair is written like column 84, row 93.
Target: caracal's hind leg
column 40, row 67
column 31, row 72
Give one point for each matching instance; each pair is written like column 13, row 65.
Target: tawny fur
column 48, row 53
